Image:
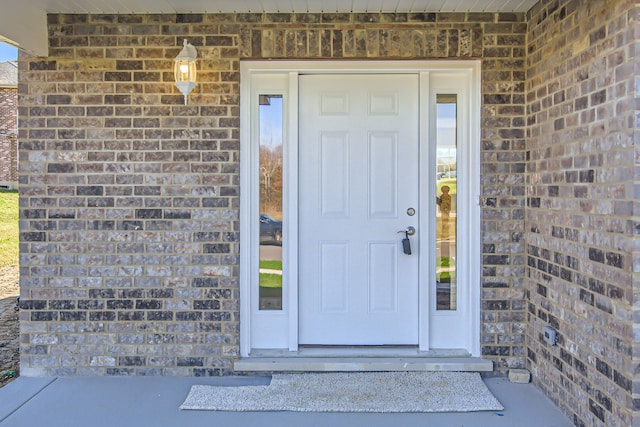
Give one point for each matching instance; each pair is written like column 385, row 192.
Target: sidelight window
column 271, row 207
column 446, row 201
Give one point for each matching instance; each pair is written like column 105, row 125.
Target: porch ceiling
column 213, row 6
column 23, row 23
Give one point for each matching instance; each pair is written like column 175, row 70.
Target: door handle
column 409, row 231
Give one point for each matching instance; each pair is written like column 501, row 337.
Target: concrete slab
column 20, row 391
column 362, row 364
column 154, row 401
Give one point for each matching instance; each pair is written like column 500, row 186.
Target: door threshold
column 361, row 360
column 359, row 351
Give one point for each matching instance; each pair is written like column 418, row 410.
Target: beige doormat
column 352, row 392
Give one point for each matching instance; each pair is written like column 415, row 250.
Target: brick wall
column 129, row 253
column 581, row 217
column 8, row 136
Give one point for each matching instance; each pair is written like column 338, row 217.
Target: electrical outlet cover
column 550, row 335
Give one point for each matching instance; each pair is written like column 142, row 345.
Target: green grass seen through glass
column 271, row 265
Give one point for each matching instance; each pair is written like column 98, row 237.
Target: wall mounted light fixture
column 184, row 69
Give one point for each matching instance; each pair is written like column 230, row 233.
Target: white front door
column 364, row 149
column 358, row 186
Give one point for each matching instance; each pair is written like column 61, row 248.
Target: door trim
column 287, row 72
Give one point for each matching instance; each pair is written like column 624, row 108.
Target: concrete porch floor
column 154, row 401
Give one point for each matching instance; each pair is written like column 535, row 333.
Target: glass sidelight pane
column 271, row 235
column 446, row 192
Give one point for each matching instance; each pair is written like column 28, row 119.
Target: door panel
column 383, row 279
column 383, row 174
column 334, row 174
column 334, row 280
column 358, row 168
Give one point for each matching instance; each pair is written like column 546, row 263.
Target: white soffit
column 300, row 6
column 23, row 22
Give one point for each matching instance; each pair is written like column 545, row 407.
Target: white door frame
column 282, row 77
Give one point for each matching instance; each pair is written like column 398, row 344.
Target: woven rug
column 352, row 392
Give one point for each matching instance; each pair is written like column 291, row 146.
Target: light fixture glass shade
column 184, row 69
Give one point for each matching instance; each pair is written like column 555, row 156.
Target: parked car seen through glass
column 270, row 229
